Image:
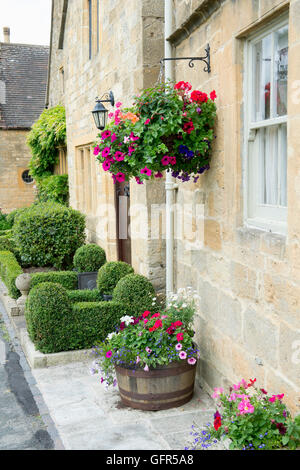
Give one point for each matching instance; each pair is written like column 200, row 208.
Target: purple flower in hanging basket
column 175, row 174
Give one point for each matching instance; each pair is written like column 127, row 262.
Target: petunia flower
column 120, row 177
column 105, row 134
column 191, row 361
column 106, row 165
column 146, row 368
column 96, row 150
column 147, row 122
column 118, row 104
column 119, row 156
column 165, row 160
column 105, row 152
column 158, row 175
column 113, row 137
column 146, row 171
column 108, row 354
column 182, row 355
column 178, row 347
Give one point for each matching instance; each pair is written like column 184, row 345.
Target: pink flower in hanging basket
column 96, row 150
column 105, row 152
column 106, row 165
column 120, row 177
column 158, row 175
column 119, row 156
column 146, row 171
column 165, row 160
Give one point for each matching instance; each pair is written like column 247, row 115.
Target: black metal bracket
column 205, row 59
column 109, row 98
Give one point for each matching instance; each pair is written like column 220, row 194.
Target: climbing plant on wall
column 46, row 135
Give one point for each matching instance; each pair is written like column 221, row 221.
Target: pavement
column 21, row 425
column 65, row 407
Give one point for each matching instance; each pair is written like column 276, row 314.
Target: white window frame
column 267, row 217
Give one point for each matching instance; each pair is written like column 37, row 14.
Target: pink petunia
column 146, row 171
column 245, row 407
column 178, row 347
column 182, row 355
column 165, row 160
column 133, row 137
column 96, row 150
column 217, row 392
column 108, row 354
column 105, row 134
column 118, row 104
column 119, row 156
column 120, row 177
column 105, row 152
column 172, row 160
column 146, row 368
column 130, row 150
column 191, row 361
column 138, row 180
column 113, row 137
column 106, row 165
column 158, row 175
column 147, row 122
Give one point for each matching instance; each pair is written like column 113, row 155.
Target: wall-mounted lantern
column 100, row 112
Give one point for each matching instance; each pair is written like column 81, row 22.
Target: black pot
column 87, row 280
column 107, row 298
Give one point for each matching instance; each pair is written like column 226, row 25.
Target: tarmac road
column 21, row 426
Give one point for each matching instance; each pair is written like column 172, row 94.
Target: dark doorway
column 122, row 202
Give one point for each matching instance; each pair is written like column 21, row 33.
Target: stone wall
column 130, row 47
column 14, row 159
column 248, row 324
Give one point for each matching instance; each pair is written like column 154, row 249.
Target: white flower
column 184, row 305
column 127, row 320
column 110, row 335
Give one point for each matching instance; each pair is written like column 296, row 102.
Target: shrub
column 12, row 216
column 110, row 274
column 95, row 320
column 67, row 279
column 53, row 188
column 84, row 295
column 135, row 291
column 49, row 234
column 6, row 242
column 89, row 258
column 4, row 224
column 49, row 317
column 9, row 271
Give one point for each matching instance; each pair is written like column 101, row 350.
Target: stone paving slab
column 88, row 416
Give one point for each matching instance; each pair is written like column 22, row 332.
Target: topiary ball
column 49, row 317
column 110, row 274
column 136, row 292
column 89, row 258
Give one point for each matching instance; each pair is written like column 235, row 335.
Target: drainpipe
column 169, row 184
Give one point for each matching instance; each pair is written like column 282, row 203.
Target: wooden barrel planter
column 158, row 389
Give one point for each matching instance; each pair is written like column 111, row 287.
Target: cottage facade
column 23, row 80
column 246, row 265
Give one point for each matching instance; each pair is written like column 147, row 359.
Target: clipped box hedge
column 85, row 295
column 67, row 279
column 110, row 274
column 9, row 271
column 95, row 320
column 55, row 324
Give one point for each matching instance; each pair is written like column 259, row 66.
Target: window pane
column 273, row 164
column 262, row 78
column 281, row 70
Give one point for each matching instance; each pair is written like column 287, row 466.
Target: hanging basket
column 167, row 128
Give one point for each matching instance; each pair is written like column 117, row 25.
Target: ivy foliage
column 46, row 135
column 54, row 188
